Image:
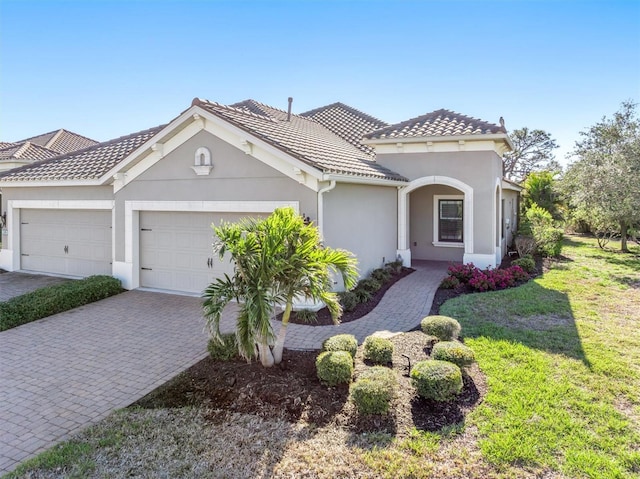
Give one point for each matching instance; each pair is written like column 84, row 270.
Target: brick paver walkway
column 15, row 284
column 63, row 373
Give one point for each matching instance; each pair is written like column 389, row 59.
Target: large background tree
column 533, row 151
column 603, row 184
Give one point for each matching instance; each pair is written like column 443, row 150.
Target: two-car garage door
column 66, row 242
column 176, row 250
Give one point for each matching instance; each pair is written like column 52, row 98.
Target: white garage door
column 176, row 250
column 68, row 242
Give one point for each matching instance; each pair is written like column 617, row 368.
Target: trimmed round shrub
column 527, row 263
column 223, row 349
column 378, row 350
column 442, row 327
column 341, row 342
column 454, row 352
column 334, row 367
column 373, row 390
column 348, row 300
column 437, row 380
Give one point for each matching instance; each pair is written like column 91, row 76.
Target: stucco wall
column 421, row 225
column 362, row 219
column 235, row 176
column 481, row 170
column 510, row 213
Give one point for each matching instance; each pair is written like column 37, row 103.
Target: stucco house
column 140, row 207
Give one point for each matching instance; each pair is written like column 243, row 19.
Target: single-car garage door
column 67, row 242
column 176, row 249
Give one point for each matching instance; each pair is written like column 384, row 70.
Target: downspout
column 321, row 192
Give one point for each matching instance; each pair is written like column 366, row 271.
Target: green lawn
column 562, row 359
column 561, row 356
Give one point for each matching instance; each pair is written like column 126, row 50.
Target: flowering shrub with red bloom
column 485, row 280
column 463, row 272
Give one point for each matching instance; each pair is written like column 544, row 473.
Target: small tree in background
column 275, row 260
column 540, row 189
column 603, row 184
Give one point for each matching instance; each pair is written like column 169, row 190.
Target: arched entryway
column 435, row 219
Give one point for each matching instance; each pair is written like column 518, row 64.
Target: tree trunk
column 266, row 357
column 282, row 334
column 623, row 237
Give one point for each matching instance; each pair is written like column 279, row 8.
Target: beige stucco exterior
column 235, row 177
column 473, row 174
column 376, row 219
column 362, row 219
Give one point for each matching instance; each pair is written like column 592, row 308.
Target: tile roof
column 437, row 123
column 61, row 141
column 89, row 163
column 303, row 138
column 4, row 144
column 26, row 151
column 346, row 122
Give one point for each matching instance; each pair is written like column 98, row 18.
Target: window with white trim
column 448, row 220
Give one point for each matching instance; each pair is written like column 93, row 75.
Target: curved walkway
column 401, row 309
column 65, row 372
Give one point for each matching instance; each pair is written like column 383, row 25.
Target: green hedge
column 55, row 299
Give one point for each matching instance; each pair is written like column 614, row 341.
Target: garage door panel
column 176, row 250
column 70, row 242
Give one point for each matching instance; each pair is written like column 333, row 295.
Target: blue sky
column 108, row 68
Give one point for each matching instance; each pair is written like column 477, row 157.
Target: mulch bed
column 323, row 317
column 291, row 390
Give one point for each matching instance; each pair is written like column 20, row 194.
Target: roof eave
column 363, row 180
column 441, row 138
column 510, row 185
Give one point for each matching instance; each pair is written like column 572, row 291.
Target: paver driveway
column 62, row 373
column 15, row 284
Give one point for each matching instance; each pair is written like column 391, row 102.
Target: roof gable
column 26, row 151
column 300, row 137
column 437, row 123
column 347, row 122
column 61, row 141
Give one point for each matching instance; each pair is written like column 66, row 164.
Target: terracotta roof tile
column 346, row 122
column 437, row 123
column 302, row 138
column 89, row 163
column 62, row 141
column 26, row 151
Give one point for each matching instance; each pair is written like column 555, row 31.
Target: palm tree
column 276, row 260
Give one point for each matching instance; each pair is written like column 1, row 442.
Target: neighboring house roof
column 89, row 163
column 25, row 151
column 437, row 123
column 346, row 122
column 300, row 137
column 4, row 144
column 61, row 141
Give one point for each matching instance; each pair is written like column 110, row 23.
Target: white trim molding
column 436, row 222
column 128, row 272
column 10, row 253
column 403, row 209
